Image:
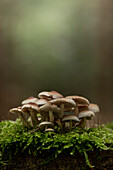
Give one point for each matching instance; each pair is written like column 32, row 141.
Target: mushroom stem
column 59, row 122
column 34, row 118
column 76, row 111
column 23, row 120
column 62, row 108
column 71, row 124
column 51, row 116
column 82, row 123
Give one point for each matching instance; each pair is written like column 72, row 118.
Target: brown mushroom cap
column 29, row 100
column 94, row 108
column 55, row 108
column 44, row 95
column 79, row 99
column 55, row 95
column 44, row 124
column 86, row 114
column 16, row 110
column 30, row 106
column 56, row 111
column 49, row 95
column 19, row 111
column 68, row 103
column 41, row 102
column 49, row 106
column 49, row 130
column 70, row 117
column 46, row 107
column 82, row 107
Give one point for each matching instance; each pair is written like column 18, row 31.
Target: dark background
column 65, row 46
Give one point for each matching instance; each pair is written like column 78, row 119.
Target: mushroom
column 47, row 108
column 33, row 109
column 92, row 107
column 18, row 110
column 63, row 103
column 57, row 114
column 41, row 102
column 78, row 100
column 95, row 109
column 70, row 118
column 29, row 100
column 49, row 95
column 45, row 124
column 82, row 107
column 49, row 130
column 44, row 95
column 55, row 94
column 83, row 116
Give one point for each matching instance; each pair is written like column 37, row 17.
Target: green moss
column 15, row 138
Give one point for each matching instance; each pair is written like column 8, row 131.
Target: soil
column 102, row 160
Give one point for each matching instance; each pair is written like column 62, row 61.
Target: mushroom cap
column 49, row 95
column 55, row 108
column 46, row 107
column 67, row 102
column 41, row 102
column 55, row 94
column 87, row 113
column 30, row 106
column 82, row 107
column 70, row 117
column 94, row 108
column 49, row 130
column 16, row 110
column 45, row 123
column 44, row 95
column 29, row 100
column 79, row 99
column 56, row 111
column 51, row 107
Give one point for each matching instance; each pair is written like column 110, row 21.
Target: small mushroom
column 83, row 116
column 44, row 95
column 78, row 100
column 41, row 102
column 95, row 109
column 33, row 109
column 55, row 94
column 18, row 110
column 70, row 118
column 82, row 107
column 63, row 103
column 49, row 130
column 29, row 100
column 49, row 95
column 47, row 108
column 45, row 125
column 57, row 114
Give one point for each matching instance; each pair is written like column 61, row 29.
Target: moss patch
column 16, row 139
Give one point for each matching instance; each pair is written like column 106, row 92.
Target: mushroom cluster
column 51, row 109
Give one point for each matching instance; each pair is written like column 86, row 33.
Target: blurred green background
column 61, row 45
